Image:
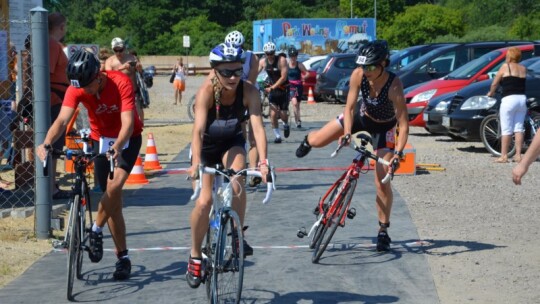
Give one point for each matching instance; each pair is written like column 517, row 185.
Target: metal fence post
column 42, row 116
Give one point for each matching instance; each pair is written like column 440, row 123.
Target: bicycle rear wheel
column 333, row 219
column 490, row 134
column 228, row 272
column 191, row 108
column 74, row 244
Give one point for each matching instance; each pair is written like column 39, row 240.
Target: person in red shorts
column 114, row 124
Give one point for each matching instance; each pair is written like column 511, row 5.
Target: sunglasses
column 369, row 68
column 270, row 53
column 118, row 50
column 229, row 73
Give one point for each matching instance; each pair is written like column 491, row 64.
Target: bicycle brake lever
column 111, row 164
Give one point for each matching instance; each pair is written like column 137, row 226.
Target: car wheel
column 328, row 98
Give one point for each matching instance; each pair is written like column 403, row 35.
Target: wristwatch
column 399, row 154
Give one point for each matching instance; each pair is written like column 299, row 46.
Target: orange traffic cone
column 151, row 161
column 310, row 98
column 137, row 174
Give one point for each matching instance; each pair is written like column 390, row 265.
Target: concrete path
column 280, row 271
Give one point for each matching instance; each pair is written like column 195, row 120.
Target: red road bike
column 334, row 206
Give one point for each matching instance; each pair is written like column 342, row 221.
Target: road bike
column 223, row 251
column 77, row 231
column 490, row 130
column 334, row 206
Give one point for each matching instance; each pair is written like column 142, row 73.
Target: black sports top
column 273, row 71
column 380, row 107
column 228, row 125
column 512, row 85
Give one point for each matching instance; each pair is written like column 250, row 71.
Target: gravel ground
column 481, row 229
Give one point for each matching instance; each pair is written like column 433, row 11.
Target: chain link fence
column 17, row 186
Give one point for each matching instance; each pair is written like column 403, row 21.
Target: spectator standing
column 511, row 77
column 58, row 83
column 126, row 63
column 179, row 84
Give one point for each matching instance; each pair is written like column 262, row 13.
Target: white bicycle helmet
column 269, row 47
column 235, row 38
column 225, row 52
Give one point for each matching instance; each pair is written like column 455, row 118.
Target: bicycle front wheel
column 86, row 217
column 74, row 244
column 333, row 218
column 228, row 272
column 328, row 199
column 490, row 133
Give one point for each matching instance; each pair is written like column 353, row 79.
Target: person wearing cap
column 114, row 124
column 128, row 64
column 375, row 104
column 220, row 108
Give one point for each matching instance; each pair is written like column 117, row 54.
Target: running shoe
column 299, row 124
column 303, row 149
column 286, row 131
column 248, row 250
column 194, row 272
column 123, row 269
column 383, row 241
column 277, row 140
column 95, row 246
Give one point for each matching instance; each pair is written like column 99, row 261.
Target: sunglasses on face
column 270, row 53
column 229, row 73
column 369, row 68
column 118, row 50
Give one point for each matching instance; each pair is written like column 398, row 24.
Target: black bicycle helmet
column 225, row 52
column 292, row 51
column 83, row 68
column 373, row 52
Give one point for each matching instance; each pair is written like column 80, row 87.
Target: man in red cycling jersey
column 114, row 124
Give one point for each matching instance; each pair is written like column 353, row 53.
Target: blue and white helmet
column 235, row 38
column 269, row 47
column 225, row 52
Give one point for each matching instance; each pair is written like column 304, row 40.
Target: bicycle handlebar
column 76, row 153
column 364, row 140
column 270, row 186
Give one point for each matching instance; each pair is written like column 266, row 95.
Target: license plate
column 426, row 116
column 446, row 121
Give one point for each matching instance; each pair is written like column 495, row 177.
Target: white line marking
column 332, row 246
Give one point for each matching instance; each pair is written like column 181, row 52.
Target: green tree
column 422, row 23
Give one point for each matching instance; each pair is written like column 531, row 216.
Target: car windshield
column 426, row 57
column 472, row 68
column 533, row 65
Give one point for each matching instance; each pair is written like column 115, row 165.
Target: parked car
column 342, row 89
column 438, row 106
column 312, row 64
column 443, row 60
column 402, row 58
column 477, row 70
column 471, row 105
column 335, row 67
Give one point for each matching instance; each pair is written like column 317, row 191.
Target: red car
column 479, row 69
column 312, row 64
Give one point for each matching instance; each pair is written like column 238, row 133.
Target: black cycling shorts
column 129, row 157
column 212, row 152
column 279, row 98
column 377, row 130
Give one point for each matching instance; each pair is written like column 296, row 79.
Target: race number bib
column 105, row 143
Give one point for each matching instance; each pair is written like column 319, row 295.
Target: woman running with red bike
column 375, row 104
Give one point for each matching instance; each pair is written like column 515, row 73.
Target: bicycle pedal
column 301, row 232
column 351, row 213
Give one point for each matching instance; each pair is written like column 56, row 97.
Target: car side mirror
column 483, row 77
